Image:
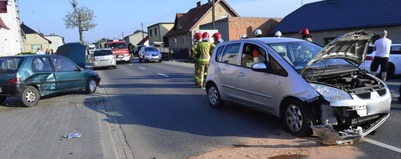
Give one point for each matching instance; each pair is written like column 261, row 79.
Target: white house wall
column 11, row 41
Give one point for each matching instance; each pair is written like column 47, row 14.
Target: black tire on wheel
column 390, row 71
column 2, row 99
column 213, row 96
column 140, row 59
column 30, row 96
column 91, row 85
column 295, row 117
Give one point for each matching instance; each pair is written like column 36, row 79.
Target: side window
column 230, row 54
column 252, row 54
column 41, row 64
column 395, row 50
column 63, row 65
column 218, row 53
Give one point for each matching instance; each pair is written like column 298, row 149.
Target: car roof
column 270, row 39
column 32, row 55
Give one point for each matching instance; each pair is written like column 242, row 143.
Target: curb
column 111, row 131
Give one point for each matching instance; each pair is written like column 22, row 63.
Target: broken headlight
column 331, row 93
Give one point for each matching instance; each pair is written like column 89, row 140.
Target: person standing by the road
column 217, row 38
column 382, row 47
column 305, row 34
column 195, row 55
column 205, row 49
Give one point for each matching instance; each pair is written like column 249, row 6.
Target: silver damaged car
column 313, row 90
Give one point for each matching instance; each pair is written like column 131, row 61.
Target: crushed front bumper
column 330, row 136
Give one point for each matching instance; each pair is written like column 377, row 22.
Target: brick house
column 336, row 17
column 232, row 28
column 185, row 24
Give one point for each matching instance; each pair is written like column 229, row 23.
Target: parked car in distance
column 148, row 54
column 394, row 61
column 103, row 58
column 307, row 86
column 30, row 77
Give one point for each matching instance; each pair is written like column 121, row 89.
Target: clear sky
column 118, row 18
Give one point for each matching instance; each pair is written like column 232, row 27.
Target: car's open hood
column 351, row 46
column 76, row 52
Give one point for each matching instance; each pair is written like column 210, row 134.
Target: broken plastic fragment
column 72, row 135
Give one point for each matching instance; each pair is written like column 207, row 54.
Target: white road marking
column 162, row 75
column 396, row 149
column 143, row 68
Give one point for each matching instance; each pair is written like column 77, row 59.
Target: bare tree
column 81, row 17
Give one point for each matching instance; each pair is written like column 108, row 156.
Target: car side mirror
column 259, row 67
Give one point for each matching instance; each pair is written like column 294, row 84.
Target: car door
column 227, row 69
column 43, row 75
column 68, row 75
column 257, row 89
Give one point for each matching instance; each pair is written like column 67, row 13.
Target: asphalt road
column 162, row 115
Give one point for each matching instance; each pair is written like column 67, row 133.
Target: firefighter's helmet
column 258, row 32
column 205, row 36
column 278, row 34
column 217, row 36
column 304, row 31
column 198, row 36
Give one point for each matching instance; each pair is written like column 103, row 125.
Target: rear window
column 10, row 64
column 103, row 53
column 150, row 49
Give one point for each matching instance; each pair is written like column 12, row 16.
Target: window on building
column 155, row 31
column 183, row 41
column 150, row 32
column 175, row 42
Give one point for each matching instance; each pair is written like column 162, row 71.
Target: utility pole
column 213, row 16
column 143, row 37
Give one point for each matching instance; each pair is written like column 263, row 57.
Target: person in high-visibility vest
column 195, row 55
column 205, row 49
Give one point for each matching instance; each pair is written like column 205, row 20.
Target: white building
column 11, row 36
column 56, row 41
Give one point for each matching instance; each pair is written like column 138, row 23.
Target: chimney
column 198, row 4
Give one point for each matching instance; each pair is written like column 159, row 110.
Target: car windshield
column 150, row 49
column 297, row 54
column 10, row 64
column 103, row 53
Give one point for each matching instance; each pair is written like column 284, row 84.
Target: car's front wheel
column 91, row 86
column 213, row 96
column 295, row 117
column 30, row 96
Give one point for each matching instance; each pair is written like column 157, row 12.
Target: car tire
column 295, row 117
column 160, row 61
column 140, row 59
column 213, row 96
column 30, row 96
column 91, row 86
column 2, row 99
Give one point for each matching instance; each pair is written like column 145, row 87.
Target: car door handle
column 218, row 69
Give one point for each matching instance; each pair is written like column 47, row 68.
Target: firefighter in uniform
column 195, row 55
column 304, row 32
column 217, row 38
column 205, row 49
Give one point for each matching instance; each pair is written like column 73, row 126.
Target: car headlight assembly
column 331, row 93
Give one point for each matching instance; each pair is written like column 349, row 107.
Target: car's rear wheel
column 2, row 99
column 91, row 86
column 213, row 96
column 30, row 96
column 295, row 117
column 140, row 59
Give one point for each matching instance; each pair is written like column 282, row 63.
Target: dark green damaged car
column 31, row 76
